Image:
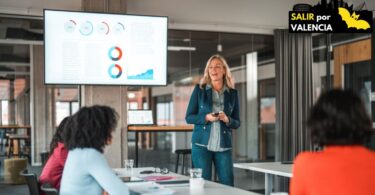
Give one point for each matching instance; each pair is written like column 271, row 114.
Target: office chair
column 32, row 182
column 183, row 152
column 48, row 189
column 44, row 157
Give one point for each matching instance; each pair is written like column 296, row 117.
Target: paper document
column 157, row 177
column 148, row 188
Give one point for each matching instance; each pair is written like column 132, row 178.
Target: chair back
column 48, row 189
column 32, row 182
column 44, row 157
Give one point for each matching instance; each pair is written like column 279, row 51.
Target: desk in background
column 14, row 128
column 11, row 135
column 270, row 169
column 140, row 129
column 210, row 188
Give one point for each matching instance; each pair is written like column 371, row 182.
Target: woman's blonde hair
column 228, row 80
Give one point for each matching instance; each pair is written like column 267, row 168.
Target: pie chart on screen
column 115, row 53
column 119, row 28
column 70, row 26
column 103, row 28
column 86, row 28
column 115, row 71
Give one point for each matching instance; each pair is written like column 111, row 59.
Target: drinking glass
column 196, row 181
column 161, row 170
column 129, row 163
column 195, row 173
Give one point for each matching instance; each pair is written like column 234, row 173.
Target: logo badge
column 334, row 17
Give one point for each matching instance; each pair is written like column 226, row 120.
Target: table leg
column 136, row 149
column 9, row 147
column 18, row 146
column 268, row 184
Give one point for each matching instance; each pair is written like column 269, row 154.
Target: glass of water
column 128, row 163
column 195, row 173
column 196, row 181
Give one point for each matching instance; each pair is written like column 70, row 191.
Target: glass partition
column 187, row 56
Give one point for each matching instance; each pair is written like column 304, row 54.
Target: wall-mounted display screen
column 104, row 49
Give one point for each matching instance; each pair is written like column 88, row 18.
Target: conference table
column 138, row 129
column 270, row 169
column 210, row 188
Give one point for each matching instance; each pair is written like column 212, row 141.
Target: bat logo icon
column 352, row 20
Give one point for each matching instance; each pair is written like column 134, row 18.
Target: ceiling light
column 131, row 95
column 186, row 80
column 181, row 48
column 219, row 48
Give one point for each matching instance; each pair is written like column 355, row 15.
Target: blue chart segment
column 86, row 28
column 115, row 53
column 70, row 26
column 148, row 75
column 115, row 71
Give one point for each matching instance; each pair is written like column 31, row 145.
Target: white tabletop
column 275, row 168
column 210, row 188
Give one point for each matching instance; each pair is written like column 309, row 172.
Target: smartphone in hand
column 215, row 114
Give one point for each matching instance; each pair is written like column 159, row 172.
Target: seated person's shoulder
column 85, row 152
column 93, row 154
column 92, row 151
column 369, row 153
column 305, row 157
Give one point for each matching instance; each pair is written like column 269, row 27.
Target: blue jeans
column 203, row 158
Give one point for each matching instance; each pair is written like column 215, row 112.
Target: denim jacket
column 201, row 104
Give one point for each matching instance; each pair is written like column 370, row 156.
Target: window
column 66, row 103
column 164, row 108
column 4, row 112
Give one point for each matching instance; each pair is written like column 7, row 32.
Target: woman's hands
column 212, row 117
column 223, row 117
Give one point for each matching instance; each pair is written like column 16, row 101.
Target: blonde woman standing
column 214, row 111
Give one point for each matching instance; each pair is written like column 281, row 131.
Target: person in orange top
column 339, row 123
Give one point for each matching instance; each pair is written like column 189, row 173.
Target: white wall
column 35, row 7
column 246, row 16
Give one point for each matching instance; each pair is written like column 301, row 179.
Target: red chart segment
column 115, row 71
column 115, row 53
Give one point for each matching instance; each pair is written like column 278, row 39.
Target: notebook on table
column 148, row 188
column 172, row 183
column 157, row 177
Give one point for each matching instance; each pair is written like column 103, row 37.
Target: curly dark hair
column 58, row 136
column 90, row 127
column 339, row 118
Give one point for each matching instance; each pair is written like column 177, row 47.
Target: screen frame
column 102, row 84
column 152, row 116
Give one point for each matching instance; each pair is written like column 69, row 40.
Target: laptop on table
column 140, row 117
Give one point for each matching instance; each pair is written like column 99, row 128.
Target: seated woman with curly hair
column 86, row 169
column 339, row 123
